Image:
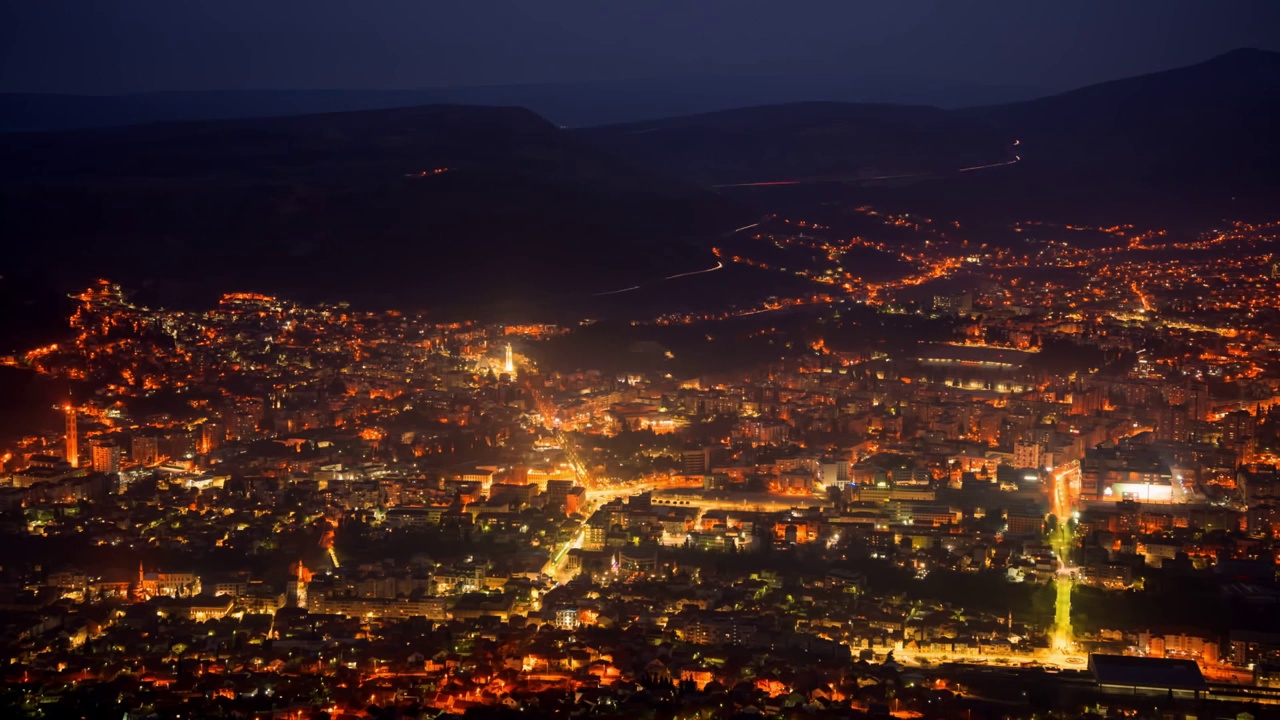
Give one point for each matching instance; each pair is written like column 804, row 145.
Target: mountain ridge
column 421, row 205
column 351, row 203
column 1188, row 144
column 570, row 105
column 809, row 141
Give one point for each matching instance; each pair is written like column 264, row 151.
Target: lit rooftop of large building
column 1142, row 675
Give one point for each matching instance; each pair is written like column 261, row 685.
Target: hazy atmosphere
column 699, row 360
column 125, row 46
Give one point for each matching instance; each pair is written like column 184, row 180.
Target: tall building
column 1027, row 455
column 73, row 449
column 145, row 449
column 1087, row 401
column 177, row 445
column 961, row 304
column 297, row 590
column 105, row 457
column 212, row 434
column 696, row 462
column 1194, row 398
column 835, row 473
column 1116, row 474
column 1172, row 424
column 1238, row 429
column 508, row 363
column 558, row 492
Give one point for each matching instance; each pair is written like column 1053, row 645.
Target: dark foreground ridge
column 428, row 204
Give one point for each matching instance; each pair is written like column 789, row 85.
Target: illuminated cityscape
column 304, row 474
column 753, row 395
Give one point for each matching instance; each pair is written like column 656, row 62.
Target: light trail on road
column 618, row 292
column 717, row 266
column 765, row 183
column 1146, row 302
column 1016, row 159
column 775, row 183
column 822, row 181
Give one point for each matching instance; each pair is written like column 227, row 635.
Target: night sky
column 116, row 46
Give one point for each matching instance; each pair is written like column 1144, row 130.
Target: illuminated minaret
column 509, row 366
column 300, row 588
column 73, row 451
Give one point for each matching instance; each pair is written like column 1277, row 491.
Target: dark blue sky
column 114, row 46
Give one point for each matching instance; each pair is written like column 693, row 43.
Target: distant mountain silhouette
column 337, row 205
column 1195, row 138
column 1180, row 148
column 568, row 104
column 806, row 142
column 1211, row 122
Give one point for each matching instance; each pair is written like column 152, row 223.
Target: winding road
column 854, row 179
column 718, row 266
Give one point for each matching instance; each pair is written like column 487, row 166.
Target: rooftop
column 1145, row 672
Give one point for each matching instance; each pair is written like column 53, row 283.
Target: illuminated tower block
column 73, row 450
column 105, row 457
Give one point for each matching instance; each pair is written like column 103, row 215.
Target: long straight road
column 1063, row 503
